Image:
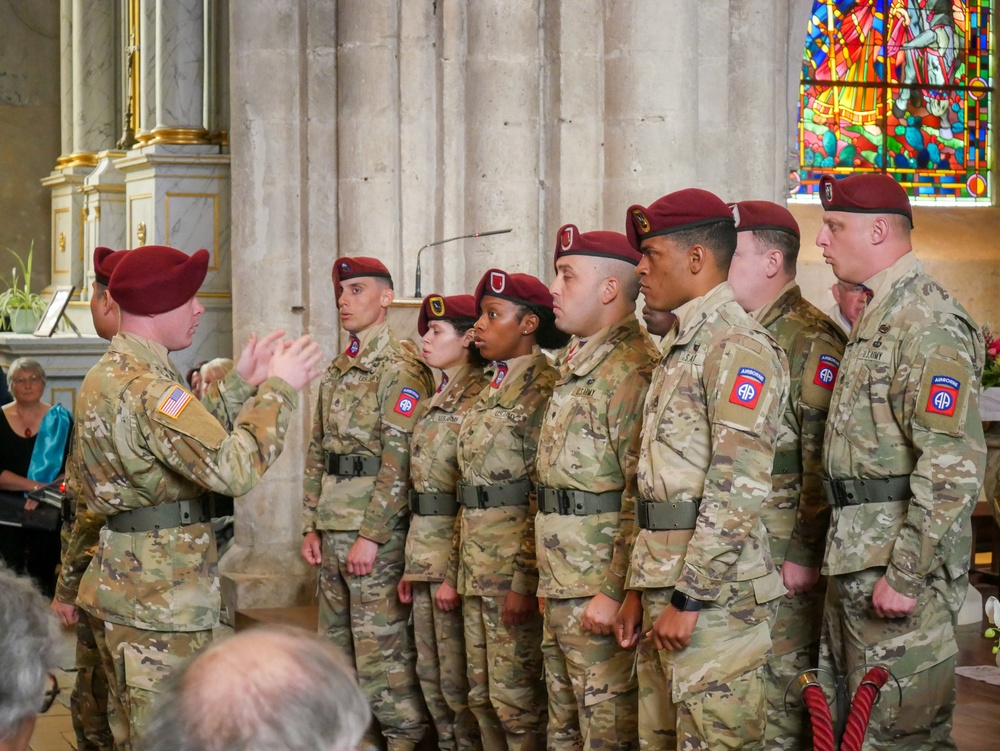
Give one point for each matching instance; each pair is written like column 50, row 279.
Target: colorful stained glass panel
column 899, row 86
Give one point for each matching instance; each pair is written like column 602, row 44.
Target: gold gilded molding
column 84, row 213
column 177, row 136
column 77, row 159
column 62, row 242
column 140, row 233
column 97, row 212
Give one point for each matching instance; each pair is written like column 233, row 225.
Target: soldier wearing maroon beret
column 796, row 513
column 496, row 570
column 904, row 461
column 150, row 454
column 356, row 497
column 701, row 584
column 80, row 532
column 586, row 497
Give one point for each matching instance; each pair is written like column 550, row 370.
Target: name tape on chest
column 747, row 388
column 826, row 371
column 175, row 402
column 943, row 397
column 407, row 402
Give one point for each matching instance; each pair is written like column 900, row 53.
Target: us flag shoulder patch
column 175, row 402
column 407, row 402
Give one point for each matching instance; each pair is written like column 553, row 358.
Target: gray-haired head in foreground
column 28, row 651
column 265, row 689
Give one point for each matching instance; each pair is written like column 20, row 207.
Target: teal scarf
column 50, row 445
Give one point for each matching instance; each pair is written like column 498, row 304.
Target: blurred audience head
column 264, row 689
column 212, row 371
column 29, row 645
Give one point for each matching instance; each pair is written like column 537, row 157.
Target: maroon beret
column 675, row 212
column 868, row 193
column 156, row 278
column 438, row 308
column 105, row 260
column 571, row 242
column 756, row 216
column 352, row 268
column 523, row 289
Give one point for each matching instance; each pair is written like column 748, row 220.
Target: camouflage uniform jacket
column 590, row 441
column 796, row 514
column 79, row 536
column 497, row 446
column 907, row 403
column 434, row 469
column 146, row 441
column 708, row 436
column 368, row 404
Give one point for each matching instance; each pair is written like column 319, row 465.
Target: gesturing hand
column 256, row 356
column 296, row 363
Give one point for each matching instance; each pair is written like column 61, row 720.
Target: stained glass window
column 899, row 86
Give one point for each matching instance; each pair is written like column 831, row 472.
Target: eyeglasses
column 28, row 379
column 49, row 697
column 852, row 288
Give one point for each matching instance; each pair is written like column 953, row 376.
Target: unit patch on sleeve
column 826, row 371
column 174, row 402
column 407, row 402
column 747, row 388
column 943, row 396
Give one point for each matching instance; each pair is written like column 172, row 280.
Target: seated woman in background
column 34, row 440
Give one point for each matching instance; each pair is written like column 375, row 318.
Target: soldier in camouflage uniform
column 904, row 457
column 796, row 513
column 149, row 451
column 356, row 505
column 80, row 532
column 496, row 569
column 586, row 463
column 700, row 556
column 445, row 326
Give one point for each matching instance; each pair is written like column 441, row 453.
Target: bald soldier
column 80, row 533
column 149, row 453
column 700, row 580
column 904, row 457
column 586, row 469
column 356, row 499
column 796, row 513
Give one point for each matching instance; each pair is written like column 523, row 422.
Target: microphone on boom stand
column 450, row 239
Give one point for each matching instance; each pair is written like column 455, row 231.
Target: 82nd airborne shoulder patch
column 747, row 388
column 407, row 402
column 826, row 371
column 943, row 396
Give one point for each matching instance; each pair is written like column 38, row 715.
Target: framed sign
column 52, row 314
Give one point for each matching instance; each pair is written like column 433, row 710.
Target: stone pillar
column 147, row 70
column 66, row 75
column 285, row 226
column 368, row 143
column 503, row 165
column 94, row 83
column 104, row 218
column 180, row 72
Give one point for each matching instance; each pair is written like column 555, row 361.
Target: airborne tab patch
column 747, row 388
column 826, row 371
column 943, row 395
column 175, row 402
column 407, row 402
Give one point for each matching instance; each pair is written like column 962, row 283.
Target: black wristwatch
column 685, row 603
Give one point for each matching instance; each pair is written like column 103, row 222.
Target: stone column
column 503, row 165
column 285, row 226
column 180, row 72
column 147, row 70
column 66, row 75
column 368, row 143
column 93, row 78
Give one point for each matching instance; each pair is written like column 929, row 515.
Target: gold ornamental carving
column 62, row 242
column 178, row 136
column 140, row 233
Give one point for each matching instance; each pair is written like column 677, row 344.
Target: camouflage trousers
column 138, row 662
column 506, row 687
column 920, row 651
column 593, row 694
column 89, row 701
column 363, row 616
column 441, row 670
column 795, row 645
column 710, row 695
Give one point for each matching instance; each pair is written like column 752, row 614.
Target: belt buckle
column 563, row 501
column 642, row 514
column 358, row 465
column 482, row 496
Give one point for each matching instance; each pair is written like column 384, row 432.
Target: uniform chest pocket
column 573, row 434
column 354, row 409
column 864, row 417
column 679, row 410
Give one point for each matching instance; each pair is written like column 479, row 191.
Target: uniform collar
column 769, row 311
column 882, row 285
column 140, row 346
column 460, row 379
column 597, row 347
column 372, row 343
column 692, row 314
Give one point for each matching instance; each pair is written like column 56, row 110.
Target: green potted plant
column 20, row 308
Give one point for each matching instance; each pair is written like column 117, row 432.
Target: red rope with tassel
column 815, row 701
